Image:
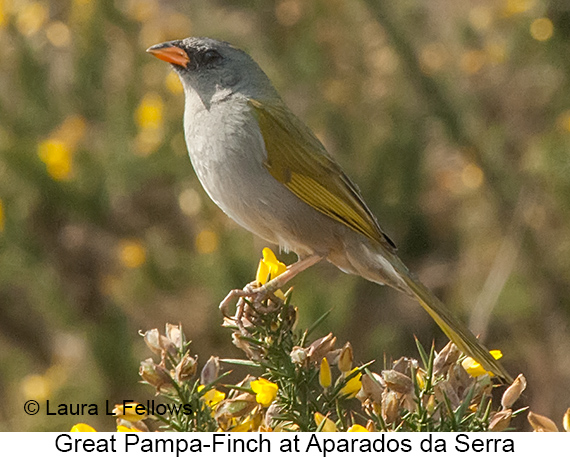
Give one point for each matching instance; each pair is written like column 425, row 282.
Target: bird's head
column 214, row 69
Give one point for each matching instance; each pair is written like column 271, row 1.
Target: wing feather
column 297, row 159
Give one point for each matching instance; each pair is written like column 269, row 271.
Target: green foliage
column 289, row 383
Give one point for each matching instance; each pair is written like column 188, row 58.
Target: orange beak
column 169, row 53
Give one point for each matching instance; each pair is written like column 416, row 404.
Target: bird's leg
column 258, row 294
column 292, row 270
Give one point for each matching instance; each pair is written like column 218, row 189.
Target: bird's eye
column 210, row 57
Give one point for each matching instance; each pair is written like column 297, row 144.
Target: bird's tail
column 455, row 330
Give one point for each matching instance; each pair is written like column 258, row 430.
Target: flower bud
column 404, row 365
column 514, row 391
column 421, row 378
column 345, row 358
column 390, row 406
column 397, row 381
column 373, row 386
column 152, row 340
column 430, row 405
column 298, row 355
column 325, row 377
column 154, row 374
column 174, row 334
column 321, row 347
column 185, row 369
column 541, row 423
column 158, row 343
column 500, row 421
column 328, row 426
column 211, row 371
column 236, row 407
column 445, row 358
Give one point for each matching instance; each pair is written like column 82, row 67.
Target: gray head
column 215, row 70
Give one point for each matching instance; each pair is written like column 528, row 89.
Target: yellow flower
column 245, row 426
column 82, row 428
column 125, row 429
column 328, row 426
column 57, row 156
column 325, row 378
column 542, row 29
column 31, row 18
column 269, row 267
column 37, row 386
column 474, row 368
column 57, row 150
column 71, row 131
column 58, row 34
column 250, row 423
column 420, row 379
column 206, row 242
column 212, row 397
column 353, row 385
column 357, row 428
column 149, row 114
column 345, row 358
column 173, row 83
column 517, row 6
column 132, row 253
column 150, row 120
column 130, row 412
column 2, row 15
column 265, row 391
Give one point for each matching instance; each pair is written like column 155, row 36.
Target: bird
column 268, row 171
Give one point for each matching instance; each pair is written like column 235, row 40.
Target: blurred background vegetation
column 453, row 116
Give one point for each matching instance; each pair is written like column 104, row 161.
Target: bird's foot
column 253, row 300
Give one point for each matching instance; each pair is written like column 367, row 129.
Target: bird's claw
column 252, row 300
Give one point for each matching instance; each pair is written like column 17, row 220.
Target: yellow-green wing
column 297, row 159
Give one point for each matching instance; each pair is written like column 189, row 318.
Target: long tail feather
column 455, row 330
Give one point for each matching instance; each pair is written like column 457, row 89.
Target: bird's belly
column 256, row 201
column 230, row 166
column 241, row 191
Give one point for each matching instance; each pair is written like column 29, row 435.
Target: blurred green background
column 452, row 116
